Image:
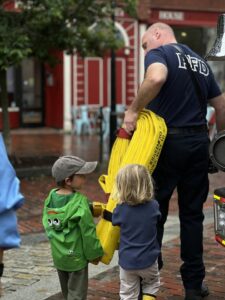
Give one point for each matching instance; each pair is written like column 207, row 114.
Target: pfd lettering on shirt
column 196, row 64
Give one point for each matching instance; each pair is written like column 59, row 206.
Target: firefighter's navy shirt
column 177, row 101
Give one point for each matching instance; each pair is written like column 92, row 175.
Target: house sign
column 171, row 15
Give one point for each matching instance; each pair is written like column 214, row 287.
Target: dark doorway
column 192, row 37
column 29, row 86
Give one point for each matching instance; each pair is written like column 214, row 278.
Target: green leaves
column 41, row 26
column 131, row 8
column 101, row 37
column 14, row 43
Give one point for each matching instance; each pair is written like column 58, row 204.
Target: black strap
column 193, row 78
column 107, row 215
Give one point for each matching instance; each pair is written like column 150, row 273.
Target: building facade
column 44, row 96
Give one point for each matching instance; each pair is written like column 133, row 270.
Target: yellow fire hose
column 143, row 148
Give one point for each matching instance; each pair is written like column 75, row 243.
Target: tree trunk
column 4, row 105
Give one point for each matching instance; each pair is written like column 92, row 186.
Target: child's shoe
column 148, row 297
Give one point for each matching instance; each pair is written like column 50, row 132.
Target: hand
column 95, row 261
column 97, row 208
column 130, row 121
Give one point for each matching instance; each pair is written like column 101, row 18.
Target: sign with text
column 171, row 15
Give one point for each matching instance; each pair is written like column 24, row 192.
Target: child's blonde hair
column 134, row 185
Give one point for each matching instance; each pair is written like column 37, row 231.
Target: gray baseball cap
column 65, row 166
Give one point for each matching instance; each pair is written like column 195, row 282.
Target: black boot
column 197, row 294
column 204, row 290
column 193, row 295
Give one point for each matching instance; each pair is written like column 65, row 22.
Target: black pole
column 100, row 119
column 113, row 123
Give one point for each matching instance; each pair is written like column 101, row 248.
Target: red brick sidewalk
column 45, row 142
column 106, row 285
column 36, row 190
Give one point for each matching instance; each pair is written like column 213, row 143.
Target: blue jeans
column 183, row 164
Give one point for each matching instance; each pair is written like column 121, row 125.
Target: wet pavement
column 29, row 273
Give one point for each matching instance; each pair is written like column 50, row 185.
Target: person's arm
column 91, row 245
column 155, row 78
column 116, row 216
column 219, row 104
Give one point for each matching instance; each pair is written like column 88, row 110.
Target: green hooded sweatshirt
column 71, row 230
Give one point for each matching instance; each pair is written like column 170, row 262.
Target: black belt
column 187, row 130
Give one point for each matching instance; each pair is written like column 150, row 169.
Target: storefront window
column 11, row 87
column 192, row 37
column 25, row 90
column 201, row 41
column 31, row 92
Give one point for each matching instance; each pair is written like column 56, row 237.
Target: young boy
column 70, row 227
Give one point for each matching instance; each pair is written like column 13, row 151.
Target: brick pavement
column 106, row 285
column 33, row 263
column 37, row 144
column 35, row 190
column 26, row 266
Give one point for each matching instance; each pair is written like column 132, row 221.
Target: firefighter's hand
column 130, row 121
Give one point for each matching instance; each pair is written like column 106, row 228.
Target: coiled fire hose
column 144, row 148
